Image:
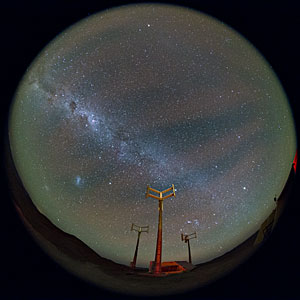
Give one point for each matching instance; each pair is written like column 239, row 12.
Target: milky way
column 158, row 95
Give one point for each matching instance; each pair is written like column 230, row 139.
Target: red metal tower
column 155, row 267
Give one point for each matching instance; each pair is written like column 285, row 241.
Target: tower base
column 154, row 268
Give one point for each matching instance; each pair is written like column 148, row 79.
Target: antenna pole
column 190, row 258
column 139, row 229
column 136, row 250
column 156, row 266
column 186, row 238
column 158, row 251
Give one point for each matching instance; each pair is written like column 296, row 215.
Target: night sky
column 153, row 95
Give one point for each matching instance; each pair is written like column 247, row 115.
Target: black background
column 26, row 28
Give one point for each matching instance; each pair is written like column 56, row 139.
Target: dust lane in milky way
column 159, row 95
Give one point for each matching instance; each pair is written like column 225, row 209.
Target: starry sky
column 160, row 95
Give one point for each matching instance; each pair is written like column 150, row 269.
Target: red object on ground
column 295, row 161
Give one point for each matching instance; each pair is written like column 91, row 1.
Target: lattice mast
column 139, row 229
column 156, row 267
column 186, row 238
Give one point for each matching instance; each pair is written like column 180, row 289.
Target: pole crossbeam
column 156, row 266
column 139, row 229
column 161, row 193
column 186, row 238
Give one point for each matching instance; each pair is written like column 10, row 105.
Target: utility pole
column 155, row 267
column 139, row 229
column 186, row 238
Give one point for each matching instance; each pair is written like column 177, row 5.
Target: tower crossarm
column 168, row 196
column 144, row 229
column 160, row 193
column 172, row 188
column 153, row 196
column 139, row 228
column 151, row 189
column 186, row 237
